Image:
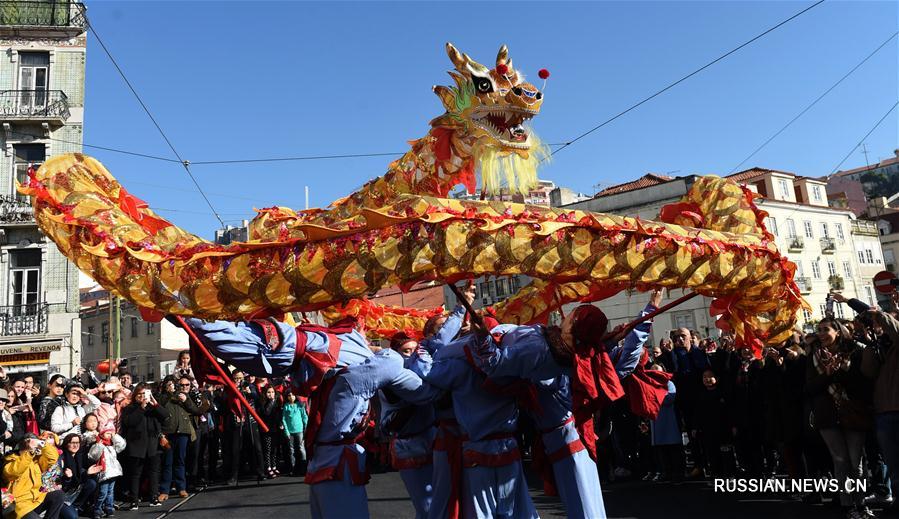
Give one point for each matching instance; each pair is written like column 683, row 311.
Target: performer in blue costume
column 523, row 349
column 411, row 429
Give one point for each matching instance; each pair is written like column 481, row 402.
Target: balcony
column 805, row 285
column 30, row 18
column 34, row 105
column 828, row 246
column 24, row 319
column 13, row 211
column 836, row 282
column 796, row 244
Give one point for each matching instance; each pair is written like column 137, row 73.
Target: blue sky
column 238, row 80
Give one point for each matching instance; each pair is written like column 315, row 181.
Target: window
column 771, row 224
column 861, row 256
column 816, row 193
column 682, row 320
column 816, row 270
column 104, row 333
column 889, row 258
column 90, row 335
column 799, row 269
column 25, row 279
column 807, row 315
column 869, row 295
column 33, row 78
column 483, row 292
column 27, row 155
column 839, row 308
column 869, row 255
column 791, row 228
column 831, row 268
column 502, row 287
column 134, row 327
column 808, row 229
column 823, row 309
column 151, row 328
column 847, row 269
column 784, row 188
column 839, row 228
column 515, row 284
column 824, row 230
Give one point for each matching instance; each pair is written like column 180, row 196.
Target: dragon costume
column 399, row 229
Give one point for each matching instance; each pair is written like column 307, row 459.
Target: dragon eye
column 482, row 84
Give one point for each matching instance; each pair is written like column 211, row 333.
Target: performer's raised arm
column 627, row 356
column 249, row 347
column 441, row 330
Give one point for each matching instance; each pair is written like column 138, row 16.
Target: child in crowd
column 90, row 429
column 105, row 453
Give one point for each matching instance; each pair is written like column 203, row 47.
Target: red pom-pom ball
column 543, row 73
column 502, row 70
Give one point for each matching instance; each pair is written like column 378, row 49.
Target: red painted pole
column 228, row 382
column 633, row 324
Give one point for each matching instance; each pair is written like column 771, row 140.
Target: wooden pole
column 228, row 382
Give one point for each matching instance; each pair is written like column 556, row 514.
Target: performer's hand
column 655, row 299
column 470, row 292
column 839, row 298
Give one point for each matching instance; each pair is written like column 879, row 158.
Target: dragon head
column 489, row 106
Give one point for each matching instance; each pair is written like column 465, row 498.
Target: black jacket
column 79, row 463
column 141, row 428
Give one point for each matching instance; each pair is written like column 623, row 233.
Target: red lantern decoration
column 103, row 367
column 502, row 69
column 543, row 73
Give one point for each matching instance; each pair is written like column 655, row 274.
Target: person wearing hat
column 53, row 399
column 105, row 453
column 22, row 473
column 67, row 417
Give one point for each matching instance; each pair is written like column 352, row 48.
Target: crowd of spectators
column 819, row 405
column 89, row 447
column 822, row 404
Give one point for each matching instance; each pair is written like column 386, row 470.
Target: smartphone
column 148, row 395
column 828, row 306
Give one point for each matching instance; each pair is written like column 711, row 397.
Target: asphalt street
column 289, row 497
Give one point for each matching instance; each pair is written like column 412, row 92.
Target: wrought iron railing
column 828, row 245
column 24, row 319
column 28, row 13
column 15, row 210
column 805, row 284
column 31, row 104
column 836, row 282
column 796, row 243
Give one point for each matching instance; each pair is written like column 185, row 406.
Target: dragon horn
column 475, row 65
column 456, row 57
column 502, row 57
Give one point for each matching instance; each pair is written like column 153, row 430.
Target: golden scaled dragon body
column 399, row 229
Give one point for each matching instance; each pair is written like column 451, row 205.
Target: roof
column 647, row 180
column 425, row 298
column 863, row 169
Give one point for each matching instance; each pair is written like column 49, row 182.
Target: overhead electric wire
column 807, row 108
column 184, row 163
column 835, row 169
column 105, row 148
column 688, row 76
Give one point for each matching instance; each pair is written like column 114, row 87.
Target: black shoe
column 232, row 482
column 155, row 503
column 132, row 506
column 109, row 515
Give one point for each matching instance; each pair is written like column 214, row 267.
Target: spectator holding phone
column 22, row 473
column 53, row 399
column 67, row 417
column 141, row 424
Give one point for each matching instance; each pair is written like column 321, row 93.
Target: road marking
column 172, row 509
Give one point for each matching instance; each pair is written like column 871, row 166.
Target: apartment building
column 41, row 114
column 831, row 248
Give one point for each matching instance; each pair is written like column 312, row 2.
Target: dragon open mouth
column 506, row 125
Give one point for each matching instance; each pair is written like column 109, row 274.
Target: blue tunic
column 665, row 429
column 493, row 483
